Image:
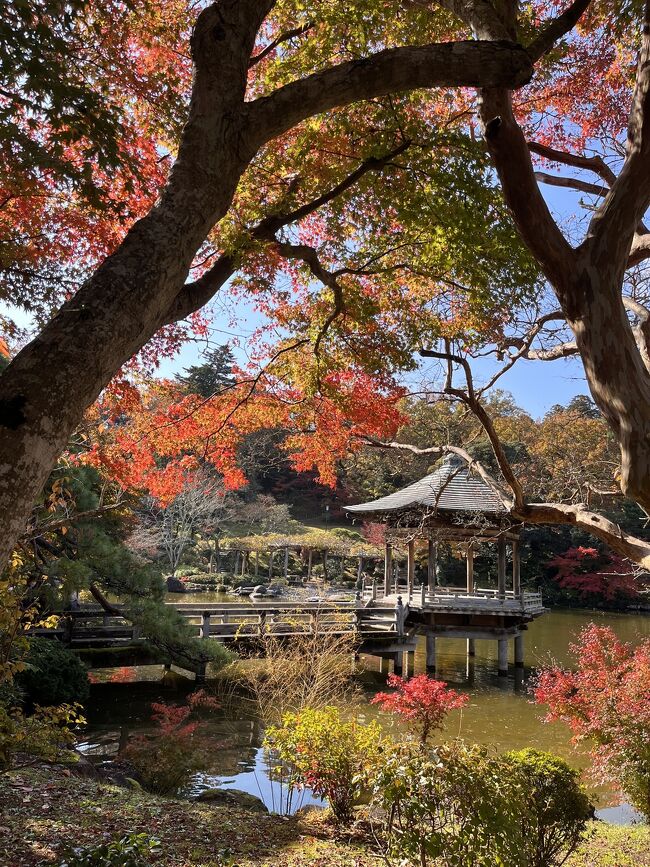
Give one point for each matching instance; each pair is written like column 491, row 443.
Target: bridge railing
column 452, row 597
column 231, row 622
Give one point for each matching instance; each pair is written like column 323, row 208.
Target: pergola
column 451, row 504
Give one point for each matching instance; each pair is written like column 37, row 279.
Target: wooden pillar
column 388, row 568
column 409, row 660
column 360, row 568
column 519, row 651
column 286, row 563
column 383, row 665
column 503, row 656
column 237, row 556
column 324, row 556
column 431, row 651
column 309, row 563
column 501, row 567
column 516, row 569
column 244, row 562
column 471, row 647
column 397, row 663
column 271, row 556
column 470, row 569
column 205, row 625
column 432, row 564
column 410, row 568
column 374, row 588
column 257, row 563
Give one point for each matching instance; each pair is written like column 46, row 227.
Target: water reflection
column 500, row 712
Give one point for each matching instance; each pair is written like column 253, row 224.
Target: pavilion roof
column 451, row 488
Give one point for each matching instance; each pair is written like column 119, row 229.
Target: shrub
column 332, row 756
column 129, row 851
column 557, row 807
column 183, row 571
column 606, row 700
column 454, row 806
column 165, row 759
column 46, row 734
column 422, row 701
column 54, row 674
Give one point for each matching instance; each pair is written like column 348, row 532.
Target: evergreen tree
column 211, row 377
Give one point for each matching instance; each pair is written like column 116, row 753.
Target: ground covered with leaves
column 43, row 811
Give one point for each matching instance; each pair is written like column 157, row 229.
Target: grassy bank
column 44, row 810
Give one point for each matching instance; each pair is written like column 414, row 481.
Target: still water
column 499, row 713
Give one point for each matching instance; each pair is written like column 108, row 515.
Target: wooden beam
column 470, row 568
column 388, row 568
column 432, row 564
column 516, row 569
column 501, row 567
column 410, row 567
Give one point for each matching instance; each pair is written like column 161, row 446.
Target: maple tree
column 594, row 577
column 290, row 123
column 283, row 88
column 606, row 700
column 421, row 701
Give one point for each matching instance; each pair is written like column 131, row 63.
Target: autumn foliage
column 593, row 575
column 606, row 702
column 421, row 701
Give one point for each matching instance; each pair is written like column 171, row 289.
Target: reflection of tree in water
column 118, row 711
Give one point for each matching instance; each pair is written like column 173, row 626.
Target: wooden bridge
column 385, row 625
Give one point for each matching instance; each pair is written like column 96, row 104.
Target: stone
column 233, row 798
column 174, row 585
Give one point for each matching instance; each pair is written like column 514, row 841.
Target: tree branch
column 571, row 183
column 283, row 37
column 551, row 33
column 470, row 399
column 450, row 64
column 195, row 295
column 612, row 227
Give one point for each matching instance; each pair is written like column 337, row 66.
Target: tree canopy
column 363, row 176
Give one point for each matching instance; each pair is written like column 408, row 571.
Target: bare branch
column 282, row 38
column 470, row 399
column 594, row 164
column 445, row 450
column 571, row 183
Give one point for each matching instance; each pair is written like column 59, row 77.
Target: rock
column 174, row 585
column 233, row 798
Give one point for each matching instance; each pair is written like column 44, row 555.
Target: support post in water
column 519, row 651
column 431, row 652
column 503, row 656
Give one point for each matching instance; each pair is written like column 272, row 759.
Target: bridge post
column 397, row 663
column 503, row 656
column 205, row 625
column 383, row 665
column 374, row 589
column 400, row 617
column 423, row 595
column 388, row 568
column 410, row 568
column 271, row 556
column 286, row 563
column 136, row 633
column 471, row 647
column 262, row 623
column 431, row 652
column 519, row 651
column 310, row 558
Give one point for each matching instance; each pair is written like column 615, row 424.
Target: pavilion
column 455, row 504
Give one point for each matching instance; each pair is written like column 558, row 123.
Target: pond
column 499, row 713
